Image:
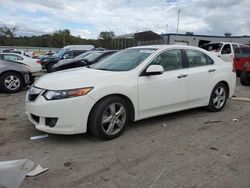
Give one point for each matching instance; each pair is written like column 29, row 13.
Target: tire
column 245, row 78
column 105, row 121
column 11, row 82
column 49, row 67
column 238, row 73
column 218, row 98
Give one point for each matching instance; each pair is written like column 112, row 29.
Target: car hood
column 75, row 78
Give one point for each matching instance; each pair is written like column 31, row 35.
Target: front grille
column 35, row 118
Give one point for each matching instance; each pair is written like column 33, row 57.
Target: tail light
column 38, row 61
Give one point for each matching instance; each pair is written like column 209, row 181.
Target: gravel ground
column 177, row 150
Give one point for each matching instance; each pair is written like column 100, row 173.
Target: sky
column 87, row 18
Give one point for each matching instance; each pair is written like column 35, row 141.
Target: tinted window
column 226, row 49
column 242, row 52
column 77, row 53
column 196, row 58
column 170, row 60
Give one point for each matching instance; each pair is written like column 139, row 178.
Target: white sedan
column 32, row 64
column 133, row 84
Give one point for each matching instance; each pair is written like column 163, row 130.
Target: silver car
column 13, row 76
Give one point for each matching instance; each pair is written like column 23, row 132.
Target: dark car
column 48, row 61
column 13, row 76
column 85, row 59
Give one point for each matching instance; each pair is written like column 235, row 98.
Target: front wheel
column 49, row 67
column 245, row 78
column 108, row 118
column 11, row 82
column 218, row 98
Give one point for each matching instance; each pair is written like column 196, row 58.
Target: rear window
column 242, row 53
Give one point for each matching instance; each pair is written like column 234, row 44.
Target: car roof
column 165, row 46
column 11, row 53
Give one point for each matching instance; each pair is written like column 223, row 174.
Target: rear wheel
column 11, row 82
column 245, row 78
column 108, row 118
column 218, row 98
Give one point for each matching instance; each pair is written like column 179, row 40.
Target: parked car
column 33, row 64
column 68, row 52
column 224, row 50
column 242, row 64
column 85, row 59
column 133, row 84
column 21, row 52
column 13, row 76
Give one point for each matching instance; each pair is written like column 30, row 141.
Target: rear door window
column 197, row 59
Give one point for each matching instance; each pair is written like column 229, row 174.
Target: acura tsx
column 135, row 83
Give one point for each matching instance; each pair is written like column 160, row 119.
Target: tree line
column 58, row 39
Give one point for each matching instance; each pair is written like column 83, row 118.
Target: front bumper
column 72, row 114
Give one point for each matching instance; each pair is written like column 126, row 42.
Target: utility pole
column 178, row 20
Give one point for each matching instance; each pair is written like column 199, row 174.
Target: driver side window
column 226, row 49
column 169, row 60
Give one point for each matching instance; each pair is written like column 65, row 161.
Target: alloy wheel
column 113, row 118
column 219, row 97
column 12, row 82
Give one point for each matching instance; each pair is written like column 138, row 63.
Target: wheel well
column 127, row 100
column 14, row 72
column 227, row 86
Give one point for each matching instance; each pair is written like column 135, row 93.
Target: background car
column 21, row 52
column 224, row 50
column 85, row 59
column 242, row 64
column 13, row 76
column 133, row 84
column 33, row 64
column 68, row 52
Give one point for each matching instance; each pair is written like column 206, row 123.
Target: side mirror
column 154, row 70
column 65, row 56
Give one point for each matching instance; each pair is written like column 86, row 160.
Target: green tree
column 6, row 31
column 106, row 35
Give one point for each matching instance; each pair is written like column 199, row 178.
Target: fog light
column 51, row 122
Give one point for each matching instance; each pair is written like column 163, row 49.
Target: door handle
column 211, row 70
column 182, row 76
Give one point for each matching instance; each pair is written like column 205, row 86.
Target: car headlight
column 63, row 94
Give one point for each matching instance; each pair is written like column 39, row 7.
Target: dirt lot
column 175, row 150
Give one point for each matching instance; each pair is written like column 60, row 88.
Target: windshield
column 60, row 53
column 92, row 57
column 215, row 47
column 83, row 55
column 124, row 60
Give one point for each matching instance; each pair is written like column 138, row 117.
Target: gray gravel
column 192, row 149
